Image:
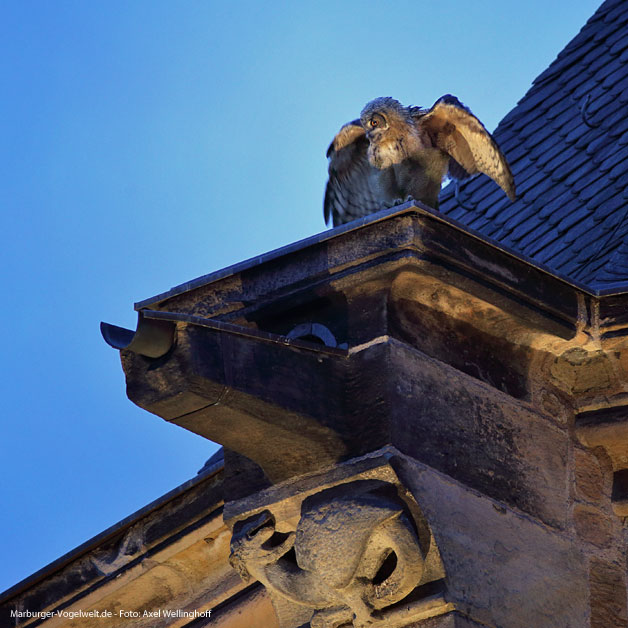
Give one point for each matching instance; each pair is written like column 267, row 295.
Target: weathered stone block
column 477, row 435
column 503, row 569
column 593, row 526
column 608, row 594
column 593, row 474
column 450, row 620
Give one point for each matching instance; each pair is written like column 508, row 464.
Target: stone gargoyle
column 356, row 551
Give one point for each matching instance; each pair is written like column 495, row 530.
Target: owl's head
column 381, row 114
column 388, row 131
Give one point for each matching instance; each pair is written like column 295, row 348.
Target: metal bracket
column 584, row 106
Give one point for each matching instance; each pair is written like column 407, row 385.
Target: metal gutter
column 155, row 334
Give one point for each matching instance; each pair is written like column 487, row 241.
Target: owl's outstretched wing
column 351, row 190
column 456, row 131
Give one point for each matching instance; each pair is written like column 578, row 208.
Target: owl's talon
column 391, row 204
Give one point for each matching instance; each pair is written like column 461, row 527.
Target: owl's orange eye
column 377, row 120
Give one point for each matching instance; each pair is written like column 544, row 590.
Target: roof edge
column 411, row 207
column 92, row 543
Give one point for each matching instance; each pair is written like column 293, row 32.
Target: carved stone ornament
column 356, row 557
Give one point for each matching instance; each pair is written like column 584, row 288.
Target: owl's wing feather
column 456, row 131
column 351, row 190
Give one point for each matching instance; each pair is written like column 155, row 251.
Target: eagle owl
column 394, row 152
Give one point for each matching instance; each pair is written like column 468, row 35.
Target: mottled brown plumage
column 393, row 152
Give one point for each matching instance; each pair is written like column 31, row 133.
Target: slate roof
column 567, row 144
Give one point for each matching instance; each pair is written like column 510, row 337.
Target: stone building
column 424, row 413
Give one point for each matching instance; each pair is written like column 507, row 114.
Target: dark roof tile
column 616, row 110
column 575, row 232
column 594, row 53
column 568, row 166
column 457, row 213
column 617, row 268
column 598, row 143
column 568, row 113
column 578, row 174
column 602, row 70
column 532, row 126
column 503, row 204
column 541, row 188
column 585, row 140
column 601, row 194
column 560, row 207
column 556, row 97
column 604, row 153
column 586, row 252
column 618, row 34
column 479, row 223
column 510, row 218
column 620, row 88
column 447, row 192
column 542, row 249
column 581, row 86
column 540, row 229
column 566, row 259
column 608, row 229
column 546, row 145
column 541, row 204
column 509, row 119
column 619, row 45
column 573, row 73
column 546, row 158
column 573, row 217
column 535, row 140
column 621, row 184
column 621, row 154
column 507, row 140
column 582, row 90
column 598, row 64
column 600, row 98
column 576, row 133
column 543, row 99
column 530, row 237
column 608, row 207
column 614, row 77
column 572, row 179
column 618, row 13
column 558, row 255
column 584, row 183
column 515, row 153
column 574, row 122
column 620, row 169
column 616, row 115
column 593, row 188
column 530, row 185
column 469, row 186
column 607, row 30
column 496, row 195
column 583, row 37
column 523, row 171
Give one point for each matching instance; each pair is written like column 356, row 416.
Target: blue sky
column 145, row 143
